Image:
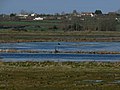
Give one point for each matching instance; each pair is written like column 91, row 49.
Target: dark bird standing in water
column 58, row 43
column 56, row 51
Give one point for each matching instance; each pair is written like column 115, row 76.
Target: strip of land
column 57, row 51
column 60, row 75
column 73, row 36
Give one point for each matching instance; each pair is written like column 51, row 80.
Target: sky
column 58, row 6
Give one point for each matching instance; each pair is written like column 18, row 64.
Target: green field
column 59, row 76
column 31, row 25
column 30, row 22
column 60, row 30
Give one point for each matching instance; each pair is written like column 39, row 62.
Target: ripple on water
column 90, row 81
column 116, row 81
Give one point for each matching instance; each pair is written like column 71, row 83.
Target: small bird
column 58, row 43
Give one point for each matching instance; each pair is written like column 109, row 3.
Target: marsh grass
column 47, row 35
column 59, row 75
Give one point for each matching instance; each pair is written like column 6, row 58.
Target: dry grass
column 60, row 75
column 36, row 36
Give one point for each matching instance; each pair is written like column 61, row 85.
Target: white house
column 22, row 16
column 33, row 15
column 38, row 18
column 87, row 14
column 117, row 19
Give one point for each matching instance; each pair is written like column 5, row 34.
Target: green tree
column 74, row 13
column 77, row 27
column 12, row 14
column 108, row 25
column 99, row 12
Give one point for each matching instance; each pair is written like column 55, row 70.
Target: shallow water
column 93, row 81
column 60, row 46
column 58, row 57
column 63, row 46
column 116, row 81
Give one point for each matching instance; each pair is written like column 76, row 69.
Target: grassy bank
column 73, row 36
column 60, row 75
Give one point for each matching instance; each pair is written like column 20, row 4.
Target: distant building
column 33, row 15
column 91, row 14
column 59, row 18
column 22, row 16
column 38, row 18
column 117, row 19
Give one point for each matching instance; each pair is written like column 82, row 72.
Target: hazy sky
column 53, row 6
